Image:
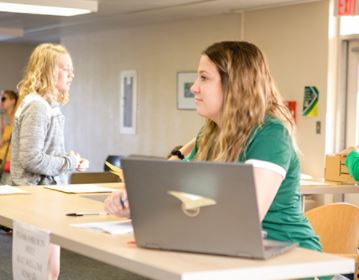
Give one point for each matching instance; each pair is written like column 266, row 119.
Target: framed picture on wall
column 185, row 98
column 128, row 100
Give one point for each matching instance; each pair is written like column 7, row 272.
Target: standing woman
column 247, row 121
column 38, row 153
column 8, row 103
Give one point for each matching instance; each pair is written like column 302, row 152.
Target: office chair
column 337, row 225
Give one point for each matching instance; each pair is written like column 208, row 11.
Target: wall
column 295, row 40
column 157, row 53
column 13, row 59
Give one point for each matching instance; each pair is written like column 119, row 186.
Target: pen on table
column 80, row 214
column 122, row 202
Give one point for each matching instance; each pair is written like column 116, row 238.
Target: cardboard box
column 335, row 169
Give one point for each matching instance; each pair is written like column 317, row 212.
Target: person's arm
column 185, row 150
column 270, row 153
column 348, row 150
column 352, row 162
column 267, row 186
column 35, row 120
column 117, row 204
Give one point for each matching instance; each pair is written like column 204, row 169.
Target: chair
column 93, row 177
column 337, row 225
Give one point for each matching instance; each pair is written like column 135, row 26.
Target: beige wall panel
column 157, row 53
column 295, row 40
column 13, row 59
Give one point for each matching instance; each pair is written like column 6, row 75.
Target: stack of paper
column 113, row 227
column 80, row 188
column 6, row 189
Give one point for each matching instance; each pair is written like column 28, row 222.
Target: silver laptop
column 202, row 207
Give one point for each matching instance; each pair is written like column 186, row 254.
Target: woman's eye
column 203, row 78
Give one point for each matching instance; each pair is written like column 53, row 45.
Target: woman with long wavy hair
column 38, row 154
column 247, row 121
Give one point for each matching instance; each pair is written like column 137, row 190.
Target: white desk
column 46, row 209
column 320, row 186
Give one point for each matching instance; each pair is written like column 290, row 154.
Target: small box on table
column 335, row 169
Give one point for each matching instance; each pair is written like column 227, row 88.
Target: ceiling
column 125, row 13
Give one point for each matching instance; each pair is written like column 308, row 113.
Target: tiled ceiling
column 125, row 13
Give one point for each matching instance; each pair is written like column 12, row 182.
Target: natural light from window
column 349, row 25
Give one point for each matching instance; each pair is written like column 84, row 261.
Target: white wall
column 295, row 40
column 157, row 53
column 13, row 59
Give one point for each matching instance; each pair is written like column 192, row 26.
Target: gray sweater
column 37, row 141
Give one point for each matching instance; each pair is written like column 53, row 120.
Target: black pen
column 122, row 202
column 80, row 214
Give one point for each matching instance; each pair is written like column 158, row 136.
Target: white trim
column 268, row 165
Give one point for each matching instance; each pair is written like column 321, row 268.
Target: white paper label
column 30, row 250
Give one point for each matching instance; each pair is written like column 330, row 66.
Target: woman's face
column 7, row 103
column 65, row 73
column 207, row 90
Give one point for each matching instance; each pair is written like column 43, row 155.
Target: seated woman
column 247, row 121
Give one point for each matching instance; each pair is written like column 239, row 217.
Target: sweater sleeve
column 33, row 132
column 352, row 162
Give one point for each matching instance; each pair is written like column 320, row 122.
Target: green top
column 352, row 162
column 271, row 144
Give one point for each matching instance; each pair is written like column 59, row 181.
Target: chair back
column 337, row 225
column 93, row 177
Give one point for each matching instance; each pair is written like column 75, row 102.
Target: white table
column 46, row 209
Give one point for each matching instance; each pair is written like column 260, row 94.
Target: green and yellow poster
column 310, row 102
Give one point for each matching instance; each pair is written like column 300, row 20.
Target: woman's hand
column 117, row 204
column 83, row 165
column 348, row 150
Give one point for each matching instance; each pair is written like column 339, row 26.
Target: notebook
column 201, row 207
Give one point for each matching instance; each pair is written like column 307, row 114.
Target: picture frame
column 128, row 101
column 185, row 98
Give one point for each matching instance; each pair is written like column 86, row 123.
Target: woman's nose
column 194, row 88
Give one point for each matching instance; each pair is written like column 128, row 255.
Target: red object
column 346, row 7
column 292, row 106
column 7, row 166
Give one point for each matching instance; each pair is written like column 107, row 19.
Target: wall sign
column 30, row 251
column 128, row 100
column 310, row 102
column 347, row 7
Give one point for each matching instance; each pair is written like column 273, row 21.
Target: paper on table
column 6, row 189
column 114, row 227
column 80, row 188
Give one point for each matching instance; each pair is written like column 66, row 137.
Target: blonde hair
column 249, row 95
column 41, row 72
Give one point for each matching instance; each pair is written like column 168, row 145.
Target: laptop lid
column 227, row 223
